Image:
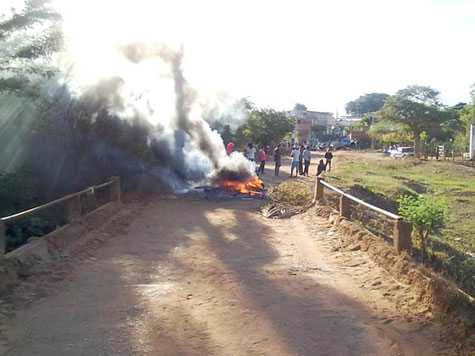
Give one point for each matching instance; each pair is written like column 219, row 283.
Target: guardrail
column 74, row 208
column 402, row 229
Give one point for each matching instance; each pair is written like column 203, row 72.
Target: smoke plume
column 193, row 149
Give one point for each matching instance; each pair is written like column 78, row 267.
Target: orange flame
column 253, row 186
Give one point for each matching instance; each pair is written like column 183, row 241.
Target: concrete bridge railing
column 73, row 204
column 402, row 229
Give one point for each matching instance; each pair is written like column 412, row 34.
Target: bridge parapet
column 73, row 202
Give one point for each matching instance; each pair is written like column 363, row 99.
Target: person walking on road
column 306, row 160
column 262, row 158
column 295, row 154
column 329, row 157
column 277, row 159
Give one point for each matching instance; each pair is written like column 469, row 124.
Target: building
column 310, row 124
column 345, row 125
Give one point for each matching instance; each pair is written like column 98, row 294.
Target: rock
column 284, row 214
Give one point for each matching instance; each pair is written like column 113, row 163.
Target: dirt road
column 184, row 276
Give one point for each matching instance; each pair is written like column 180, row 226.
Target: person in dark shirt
column 322, row 167
column 306, row 160
column 277, row 159
column 329, row 157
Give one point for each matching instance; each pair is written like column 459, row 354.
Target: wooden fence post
column 74, row 208
column 115, row 189
column 3, row 238
column 402, row 235
column 345, row 207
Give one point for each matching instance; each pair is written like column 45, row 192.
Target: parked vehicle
column 343, row 144
column 402, row 152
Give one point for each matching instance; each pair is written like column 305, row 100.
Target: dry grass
column 292, row 193
column 382, row 181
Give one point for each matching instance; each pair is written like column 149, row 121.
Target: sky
column 319, row 53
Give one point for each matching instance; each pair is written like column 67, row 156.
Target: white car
column 402, row 152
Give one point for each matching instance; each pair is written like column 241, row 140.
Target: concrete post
column 74, row 208
column 345, row 207
column 402, row 235
column 3, row 238
column 115, row 189
column 318, row 194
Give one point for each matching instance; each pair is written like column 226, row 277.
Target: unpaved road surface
column 185, row 276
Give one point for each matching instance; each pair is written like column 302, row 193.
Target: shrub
column 290, row 193
column 425, row 215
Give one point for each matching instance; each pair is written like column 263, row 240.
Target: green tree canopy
column 367, row 103
column 299, row 107
column 266, row 127
column 28, row 38
column 467, row 118
column 390, row 132
column 419, row 109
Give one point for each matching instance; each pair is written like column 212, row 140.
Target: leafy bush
column 290, row 193
column 425, row 215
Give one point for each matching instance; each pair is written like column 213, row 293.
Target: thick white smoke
column 192, row 150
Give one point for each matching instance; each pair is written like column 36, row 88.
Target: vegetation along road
column 383, row 181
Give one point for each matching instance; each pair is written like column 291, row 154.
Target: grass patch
column 384, row 181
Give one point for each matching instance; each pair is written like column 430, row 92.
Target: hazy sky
column 319, row 53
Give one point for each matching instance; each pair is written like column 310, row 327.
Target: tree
column 467, row 118
column 419, row 109
column 425, row 215
column 367, row 120
column 367, row 103
column 390, row 133
column 266, row 127
column 299, row 107
column 28, row 38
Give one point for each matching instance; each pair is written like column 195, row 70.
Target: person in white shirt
column 295, row 154
column 251, row 152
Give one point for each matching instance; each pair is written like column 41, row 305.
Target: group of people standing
column 261, row 155
column 301, row 161
column 300, row 158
